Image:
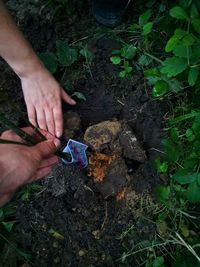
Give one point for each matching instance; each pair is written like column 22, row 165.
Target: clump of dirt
column 93, row 217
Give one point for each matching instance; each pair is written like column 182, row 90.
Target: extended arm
column 41, row 91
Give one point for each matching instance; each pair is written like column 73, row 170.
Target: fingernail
column 56, row 142
column 58, row 134
column 73, row 102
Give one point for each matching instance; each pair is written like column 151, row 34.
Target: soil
column 94, row 230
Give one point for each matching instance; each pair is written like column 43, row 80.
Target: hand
column 20, row 164
column 43, row 96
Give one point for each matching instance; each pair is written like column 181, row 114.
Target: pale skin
column 42, row 93
column 20, row 164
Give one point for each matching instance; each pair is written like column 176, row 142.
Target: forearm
column 14, row 48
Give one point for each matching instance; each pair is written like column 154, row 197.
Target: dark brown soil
column 94, row 229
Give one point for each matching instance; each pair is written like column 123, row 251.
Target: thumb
column 46, row 148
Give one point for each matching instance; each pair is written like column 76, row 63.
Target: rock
column 72, row 123
column 115, row 179
column 101, row 135
column 130, row 145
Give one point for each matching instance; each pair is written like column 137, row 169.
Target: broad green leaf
column 180, row 33
column 66, row 55
column 160, row 88
column 183, row 177
column 194, row 13
column 183, row 51
column 172, row 150
column 196, row 24
column 162, row 193
column 128, row 51
column 79, row 96
column 147, row 28
column 178, row 13
column 193, row 192
column 50, row 61
column 174, row 133
column 115, row 60
column 8, row 225
column 143, row 19
column 188, row 39
column 173, row 66
column 193, row 76
column 174, row 40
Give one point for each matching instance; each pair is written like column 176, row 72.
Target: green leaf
column 194, row 13
column 175, row 85
column 50, row 61
column 162, row 193
column 158, row 262
column 182, row 50
column 147, row 28
column 178, row 13
column 143, row 19
column 173, row 66
column 79, row 96
column 196, row 24
column 115, row 60
column 183, row 177
column 144, row 60
column 161, row 166
column 193, row 192
column 193, row 76
column 8, row 225
column 180, row 33
column 86, row 53
column 128, row 51
column 160, row 88
column 122, row 74
column 133, row 27
column 190, row 135
column 66, row 55
column 188, row 39
column 172, row 150
column 174, row 40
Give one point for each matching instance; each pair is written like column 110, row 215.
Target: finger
column 4, row 199
column 45, row 149
column 41, row 119
column 58, row 120
column 31, row 114
column 49, row 162
column 67, row 98
column 50, row 121
column 41, row 173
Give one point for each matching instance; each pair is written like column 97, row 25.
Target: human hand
column 20, row 164
column 43, row 96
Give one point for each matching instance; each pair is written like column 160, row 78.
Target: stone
column 115, row 179
column 99, row 136
column 72, row 123
column 131, row 147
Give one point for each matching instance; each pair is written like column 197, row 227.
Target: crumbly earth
column 94, row 230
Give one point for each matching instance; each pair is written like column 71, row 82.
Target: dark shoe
column 109, row 12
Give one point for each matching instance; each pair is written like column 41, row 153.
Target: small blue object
column 77, row 152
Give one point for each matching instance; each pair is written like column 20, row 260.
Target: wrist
column 29, row 67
